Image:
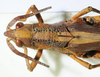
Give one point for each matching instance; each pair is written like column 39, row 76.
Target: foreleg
column 32, row 65
column 35, row 61
column 26, row 16
column 33, row 9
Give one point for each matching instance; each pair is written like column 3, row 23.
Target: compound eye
column 18, row 43
column 19, row 25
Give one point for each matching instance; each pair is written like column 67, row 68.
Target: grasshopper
column 76, row 37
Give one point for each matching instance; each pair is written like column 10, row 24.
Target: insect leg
column 97, row 55
column 12, row 22
column 22, row 54
column 84, row 11
column 94, row 21
column 32, row 65
column 85, row 64
column 33, row 9
column 37, row 57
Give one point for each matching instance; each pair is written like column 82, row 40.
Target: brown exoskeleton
column 77, row 37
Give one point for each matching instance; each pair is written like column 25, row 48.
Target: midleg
column 84, row 11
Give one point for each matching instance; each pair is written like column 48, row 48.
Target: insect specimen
column 76, row 37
